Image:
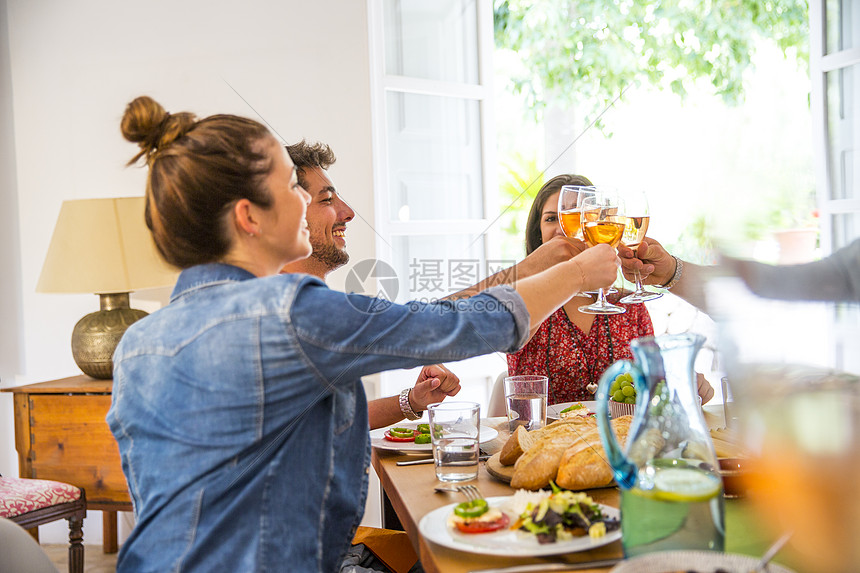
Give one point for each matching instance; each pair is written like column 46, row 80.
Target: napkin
column 392, row 547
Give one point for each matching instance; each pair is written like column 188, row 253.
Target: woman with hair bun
column 238, row 408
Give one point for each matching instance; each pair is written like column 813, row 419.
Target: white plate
column 434, row 526
column 554, row 410
column 377, row 438
column 667, row 561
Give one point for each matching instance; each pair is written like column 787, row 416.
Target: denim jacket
column 241, row 418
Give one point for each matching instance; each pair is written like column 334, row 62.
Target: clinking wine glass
column 602, row 221
column 570, row 208
column 570, row 200
column 638, row 215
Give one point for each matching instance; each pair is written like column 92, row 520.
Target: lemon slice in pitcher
column 685, row 485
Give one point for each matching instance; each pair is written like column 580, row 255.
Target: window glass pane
column 843, row 25
column 431, row 267
column 434, row 40
column 845, row 229
column 847, row 332
column 434, row 157
column 840, row 132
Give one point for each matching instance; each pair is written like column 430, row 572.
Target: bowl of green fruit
column 622, row 396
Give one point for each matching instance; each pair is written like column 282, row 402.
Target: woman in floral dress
column 572, row 348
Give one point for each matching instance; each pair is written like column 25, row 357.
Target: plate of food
column 584, row 408
column 519, row 525
column 415, row 437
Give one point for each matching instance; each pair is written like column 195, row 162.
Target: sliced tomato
column 387, row 435
column 483, row 526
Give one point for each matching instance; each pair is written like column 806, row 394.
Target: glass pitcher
column 671, row 491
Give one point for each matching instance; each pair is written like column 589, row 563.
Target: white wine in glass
column 635, row 230
column 602, row 222
column 569, row 221
column 638, row 216
column 570, row 199
column 602, row 231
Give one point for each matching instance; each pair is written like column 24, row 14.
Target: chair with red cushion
column 34, row 502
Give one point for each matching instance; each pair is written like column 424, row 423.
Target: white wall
column 70, row 68
column 10, row 257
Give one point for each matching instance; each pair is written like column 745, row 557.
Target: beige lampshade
column 103, row 246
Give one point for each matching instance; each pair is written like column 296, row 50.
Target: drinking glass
column 454, row 433
column 525, row 401
column 804, row 476
column 602, row 221
column 638, row 215
column 795, row 380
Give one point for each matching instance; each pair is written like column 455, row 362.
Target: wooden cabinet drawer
column 70, row 441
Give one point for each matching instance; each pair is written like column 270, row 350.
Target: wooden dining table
column 409, row 489
column 408, row 493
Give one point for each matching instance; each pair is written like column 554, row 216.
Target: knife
column 430, row 461
column 534, row 567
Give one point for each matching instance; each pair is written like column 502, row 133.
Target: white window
column 431, row 73
column 835, row 74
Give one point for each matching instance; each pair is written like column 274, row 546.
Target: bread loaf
column 521, row 440
column 727, row 444
column 518, row 443
column 539, row 463
column 584, row 465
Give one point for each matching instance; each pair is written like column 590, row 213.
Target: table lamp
column 102, row 246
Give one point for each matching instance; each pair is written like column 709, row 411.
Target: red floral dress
column 572, row 359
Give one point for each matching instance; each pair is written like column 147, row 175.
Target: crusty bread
column 728, row 443
column 518, row 443
column 539, row 463
column 583, row 465
column 521, row 440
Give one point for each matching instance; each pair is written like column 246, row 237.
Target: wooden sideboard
column 61, row 435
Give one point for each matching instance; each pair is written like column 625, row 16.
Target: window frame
column 844, row 318
column 476, row 374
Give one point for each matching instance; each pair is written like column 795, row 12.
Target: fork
column 471, row 492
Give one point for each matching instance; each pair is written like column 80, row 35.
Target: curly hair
column 307, row 156
column 554, row 185
column 198, row 169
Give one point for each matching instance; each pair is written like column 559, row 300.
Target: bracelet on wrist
column 679, row 270
column 406, row 407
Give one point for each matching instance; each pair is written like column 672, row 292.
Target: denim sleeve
column 350, row 335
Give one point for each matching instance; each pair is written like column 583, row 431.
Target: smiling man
column 327, row 216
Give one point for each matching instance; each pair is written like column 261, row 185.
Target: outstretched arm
column 554, row 251
column 833, row 278
column 658, row 267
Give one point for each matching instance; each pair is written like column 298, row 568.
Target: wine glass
column 638, row 215
column 570, row 200
column 602, row 221
column 570, row 207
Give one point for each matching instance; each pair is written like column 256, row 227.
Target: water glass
column 728, row 403
column 525, row 401
column 454, row 431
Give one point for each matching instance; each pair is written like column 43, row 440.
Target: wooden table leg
column 109, row 532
